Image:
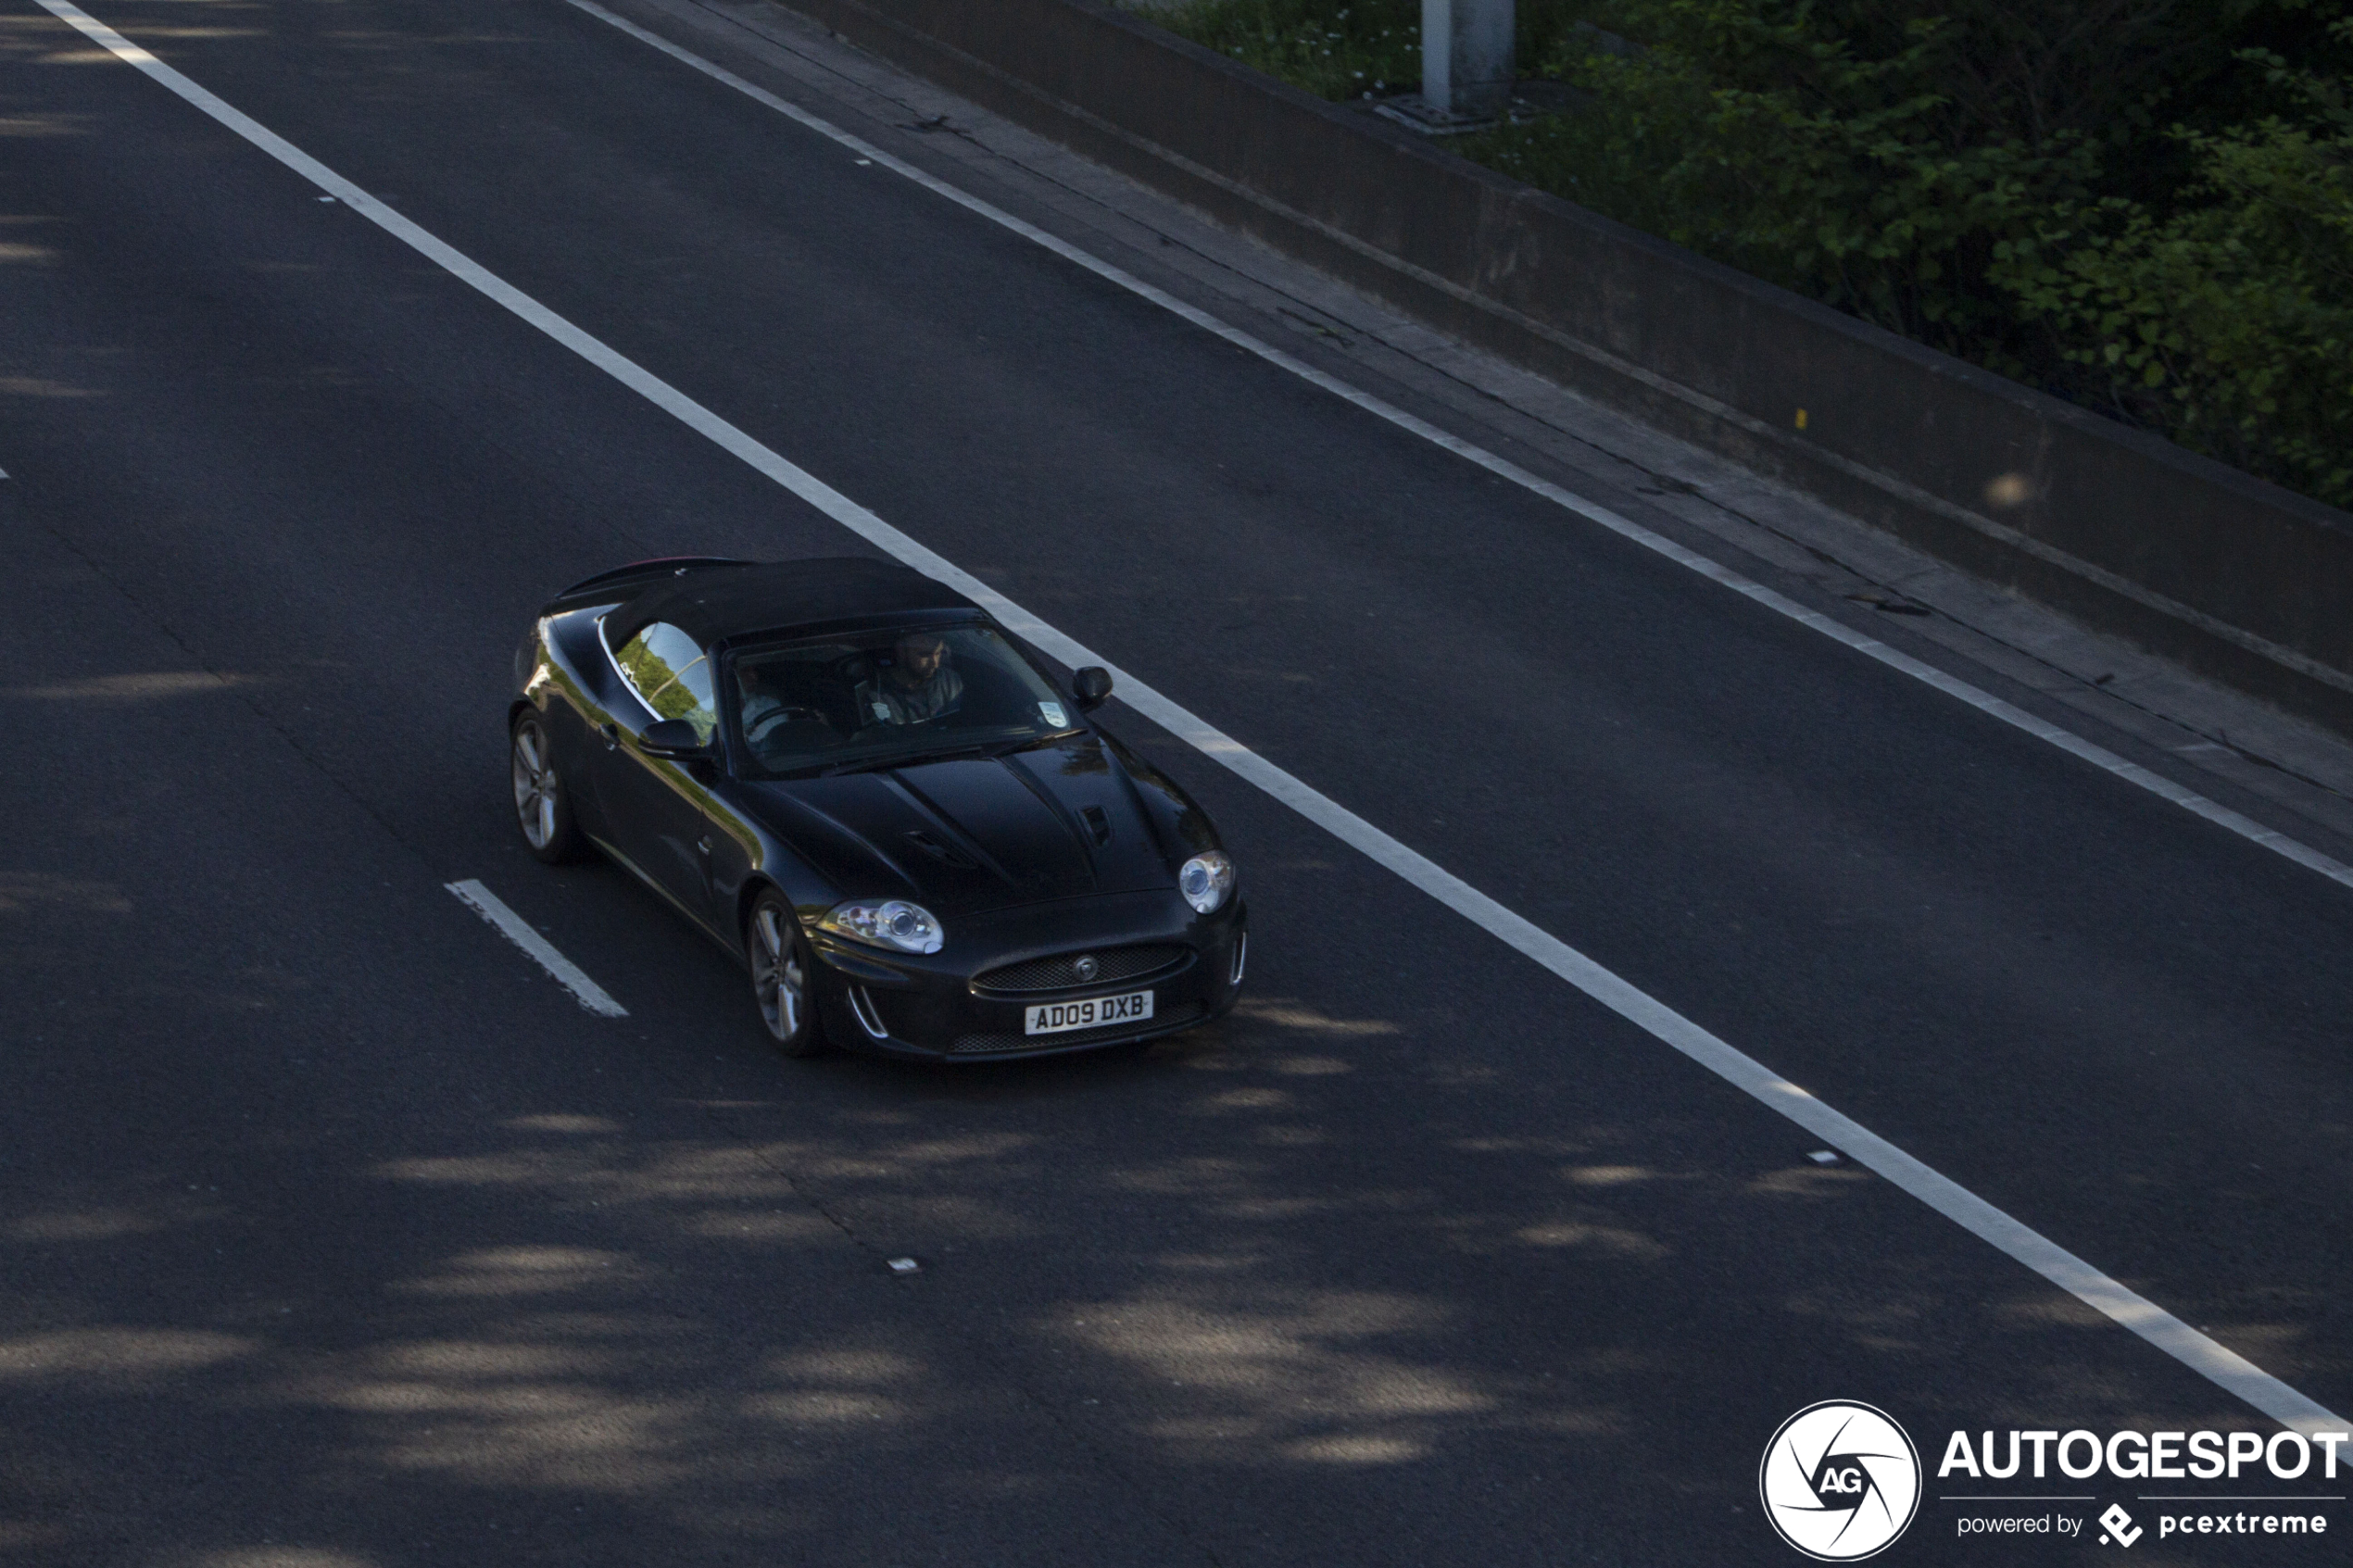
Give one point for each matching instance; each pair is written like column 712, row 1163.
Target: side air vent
column 869, row 1017
column 1097, row 823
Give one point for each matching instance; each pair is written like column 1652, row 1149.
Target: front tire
column 543, row 808
column 783, row 971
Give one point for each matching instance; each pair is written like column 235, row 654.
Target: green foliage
column 2139, row 204
column 1358, row 49
column 1757, row 140
column 1342, row 48
column 2228, row 324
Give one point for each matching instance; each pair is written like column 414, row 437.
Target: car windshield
column 884, row 698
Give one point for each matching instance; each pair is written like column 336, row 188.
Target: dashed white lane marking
column 512, row 925
column 1870, row 648
column 2160, row 1328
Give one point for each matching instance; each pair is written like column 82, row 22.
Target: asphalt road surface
column 338, row 1236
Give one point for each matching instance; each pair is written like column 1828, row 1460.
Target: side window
column 670, row 674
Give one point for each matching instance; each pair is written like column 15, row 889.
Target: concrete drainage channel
column 2239, row 580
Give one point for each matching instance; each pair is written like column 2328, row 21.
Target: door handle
column 611, row 733
column 703, row 845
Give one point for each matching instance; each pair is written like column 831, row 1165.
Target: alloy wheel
column 778, row 980
column 535, row 785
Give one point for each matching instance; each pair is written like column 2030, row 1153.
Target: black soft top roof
column 719, row 600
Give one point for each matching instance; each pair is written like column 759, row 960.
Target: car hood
column 1057, row 821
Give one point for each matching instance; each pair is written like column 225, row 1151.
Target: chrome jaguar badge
column 1087, row 967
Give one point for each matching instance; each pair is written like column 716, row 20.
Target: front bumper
column 938, row 1008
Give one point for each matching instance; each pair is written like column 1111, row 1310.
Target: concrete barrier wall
column 2186, row 555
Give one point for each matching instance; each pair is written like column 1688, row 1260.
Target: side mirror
column 1091, row 687
column 675, row 739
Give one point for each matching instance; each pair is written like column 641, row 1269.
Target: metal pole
column 1466, row 57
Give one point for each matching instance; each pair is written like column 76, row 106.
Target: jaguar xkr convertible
column 855, row 781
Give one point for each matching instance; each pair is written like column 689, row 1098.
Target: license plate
column 1053, row 1018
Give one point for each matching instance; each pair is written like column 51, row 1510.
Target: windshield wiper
column 913, row 758
column 1006, row 748
column 990, row 749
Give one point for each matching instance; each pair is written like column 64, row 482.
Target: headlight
column 1205, row 880
column 894, row 923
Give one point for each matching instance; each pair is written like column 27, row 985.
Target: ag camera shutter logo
column 1840, row 1481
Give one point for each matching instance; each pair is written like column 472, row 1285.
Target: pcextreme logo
column 1840, row 1481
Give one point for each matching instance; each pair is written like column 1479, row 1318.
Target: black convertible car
column 861, row 787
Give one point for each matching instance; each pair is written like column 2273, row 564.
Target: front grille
column 1061, row 971
column 978, row 1044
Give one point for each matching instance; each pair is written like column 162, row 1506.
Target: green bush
column 1362, row 48
column 1355, row 49
column 2143, row 204
column 2229, row 324
column 1756, row 140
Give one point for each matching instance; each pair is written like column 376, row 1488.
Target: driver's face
column 919, row 657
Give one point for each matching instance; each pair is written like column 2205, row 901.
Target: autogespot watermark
column 2132, row 1456
column 1840, row 1481
column 2020, row 1457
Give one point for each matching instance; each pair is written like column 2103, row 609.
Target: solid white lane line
column 512, row 925
column 1984, row 702
column 2152, row 1323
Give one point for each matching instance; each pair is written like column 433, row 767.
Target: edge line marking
column 515, row 929
column 2160, row 1328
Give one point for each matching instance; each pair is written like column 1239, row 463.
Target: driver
column 760, row 699
column 920, row 684
column 777, row 723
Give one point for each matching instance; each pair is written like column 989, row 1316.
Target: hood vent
column 945, row 854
